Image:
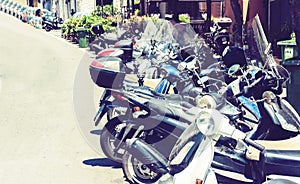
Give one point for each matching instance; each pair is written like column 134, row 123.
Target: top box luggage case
column 105, row 72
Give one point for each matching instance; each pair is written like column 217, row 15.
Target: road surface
column 40, row 136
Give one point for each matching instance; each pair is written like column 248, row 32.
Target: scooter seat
column 291, row 144
column 172, row 106
column 163, row 107
column 282, row 157
column 280, row 162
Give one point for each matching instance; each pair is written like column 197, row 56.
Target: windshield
column 164, row 31
column 184, row 34
column 149, row 32
column 259, row 45
column 260, row 49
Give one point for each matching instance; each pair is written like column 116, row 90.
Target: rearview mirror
column 233, row 69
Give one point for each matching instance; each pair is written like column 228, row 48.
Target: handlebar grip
column 254, row 144
column 186, row 104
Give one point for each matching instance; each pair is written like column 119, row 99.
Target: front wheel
column 136, row 172
column 47, row 28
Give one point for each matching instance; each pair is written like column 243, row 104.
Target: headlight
column 206, row 102
column 205, row 122
column 210, row 122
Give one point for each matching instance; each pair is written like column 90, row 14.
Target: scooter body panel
column 199, row 167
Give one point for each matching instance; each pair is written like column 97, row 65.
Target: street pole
column 208, row 19
column 102, row 8
column 244, row 29
column 132, row 5
column 142, row 7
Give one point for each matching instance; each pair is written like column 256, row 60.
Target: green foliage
column 136, row 2
column 97, row 11
column 184, row 18
column 136, row 12
column 108, row 10
column 71, row 25
column 293, row 36
column 156, row 20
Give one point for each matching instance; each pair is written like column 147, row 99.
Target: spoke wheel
column 136, row 172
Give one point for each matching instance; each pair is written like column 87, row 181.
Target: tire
column 110, row 138
column 47, row 28
column 136, row 172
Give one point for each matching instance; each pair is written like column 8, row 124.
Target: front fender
column 199, row 167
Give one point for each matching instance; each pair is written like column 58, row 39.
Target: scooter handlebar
column 254, row 144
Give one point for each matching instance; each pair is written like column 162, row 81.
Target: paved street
column 42, row 138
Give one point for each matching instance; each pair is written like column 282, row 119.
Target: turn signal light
column 198, row 181
column 136, row 109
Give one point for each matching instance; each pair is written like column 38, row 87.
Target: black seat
column 162, row 106
column 171, row 106
column 282, row 162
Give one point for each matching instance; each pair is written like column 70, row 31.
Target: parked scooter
column 50, row 21
column 190, row 159
column 279, row 120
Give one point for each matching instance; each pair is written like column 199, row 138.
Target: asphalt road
column 42, row 138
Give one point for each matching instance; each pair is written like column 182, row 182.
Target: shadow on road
column 102, row 162
column 96, row 132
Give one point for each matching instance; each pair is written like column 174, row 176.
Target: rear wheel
column 110, row 138
column 137, row 172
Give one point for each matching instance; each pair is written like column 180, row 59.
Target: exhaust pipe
column 147, row 155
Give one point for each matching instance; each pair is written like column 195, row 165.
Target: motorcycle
column 161, row 86
column 50, row 21
column 241, row 73
column 152, row 118
column 113, row 132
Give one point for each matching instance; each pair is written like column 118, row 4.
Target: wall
column 255, row 7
